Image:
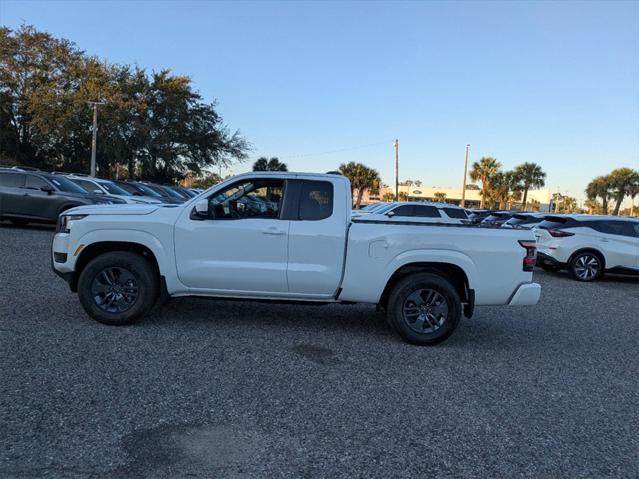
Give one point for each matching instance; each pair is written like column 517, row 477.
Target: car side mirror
column 202, row 208
column 390, row 214
column 47, row 189
column 98, row 192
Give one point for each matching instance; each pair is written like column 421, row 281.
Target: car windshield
column 114, row 189
column 68, row 186
column 148, row 191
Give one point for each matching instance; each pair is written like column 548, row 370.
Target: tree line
column 612, row 188
column 152, row 125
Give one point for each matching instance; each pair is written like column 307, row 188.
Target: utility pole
column 396, row 169
column 94, row 140
column 463, row 201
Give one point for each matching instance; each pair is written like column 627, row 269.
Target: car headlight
column 64, row 222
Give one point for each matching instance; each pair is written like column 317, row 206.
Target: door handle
column 273, row 231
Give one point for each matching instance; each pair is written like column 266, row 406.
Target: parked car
column 419, row 211
column 525, row 220
column 142, row 189
column 497, row 218
column 38, row 197
column 106, row 187
column 476, row 216
column 588, row 246
column 167, row 193
column 121, row 260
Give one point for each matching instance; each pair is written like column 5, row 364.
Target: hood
column 129, row 209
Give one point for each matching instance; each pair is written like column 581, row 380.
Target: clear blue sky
column 552, row 82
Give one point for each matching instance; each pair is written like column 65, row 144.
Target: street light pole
column 463, row 201
column 396, row 169
column 94, row 140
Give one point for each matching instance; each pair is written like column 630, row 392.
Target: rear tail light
column 559, row 233
column 531, row 254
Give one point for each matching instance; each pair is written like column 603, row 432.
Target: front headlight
column 64, row 222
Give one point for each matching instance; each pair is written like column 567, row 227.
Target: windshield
column 66, row 185
column 148, row 191
column 113, row 188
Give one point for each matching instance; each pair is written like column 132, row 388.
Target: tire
column 586, row 266
column 424, row 309
column 117, row 288
column 549, row 268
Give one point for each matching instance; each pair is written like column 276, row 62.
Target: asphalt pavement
column 221, row 389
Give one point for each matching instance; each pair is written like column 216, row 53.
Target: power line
column 339, row 150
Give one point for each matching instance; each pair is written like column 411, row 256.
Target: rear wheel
column 424, row 309
column 118, row 287
column 586, row 266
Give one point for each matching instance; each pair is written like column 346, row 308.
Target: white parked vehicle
column 587, row 246
column 307, row 247
column 421, row 211
column 525, row 220
column 100, row 186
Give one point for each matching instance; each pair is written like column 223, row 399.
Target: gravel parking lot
column 231, row 389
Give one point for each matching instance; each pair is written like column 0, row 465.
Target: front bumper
column 525, row 295
column 60, row 259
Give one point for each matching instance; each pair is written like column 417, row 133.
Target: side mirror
column 390, row 214
column 202, row 208
column 47, row 189
column 98, row 192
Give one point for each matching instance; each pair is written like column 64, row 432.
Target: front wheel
column 118, row 287
column 424, row 309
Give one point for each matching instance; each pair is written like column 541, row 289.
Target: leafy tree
column 623, row 182
column 362, row 178
column 206, row 181
column 403, row 196
column 152, row 126
column 440, row 196
column 483, row 170
column 593, row 206
column 503, row 189
column 600, row 187
column 472, row 186
column 388, row 197
column 534, row 205
column 530, row 175
column 265, row 164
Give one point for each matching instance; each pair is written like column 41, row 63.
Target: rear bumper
column 525, row 295
column 546, row 259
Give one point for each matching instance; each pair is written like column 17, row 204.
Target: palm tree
column 593, row 205
column 600, row 188
column 530, row 175
column 622, row 182
column 388, row 197
column 403, row 196
column 534, row 205
column 483, row 171
column 440, row 196
column 362, row 178
column 273, row 164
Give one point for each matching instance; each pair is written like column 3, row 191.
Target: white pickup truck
column 290, row 237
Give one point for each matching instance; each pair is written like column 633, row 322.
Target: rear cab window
column 316, row 200
column 555, row 222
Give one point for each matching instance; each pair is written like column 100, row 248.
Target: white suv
column 587, row 246
column 415, row 211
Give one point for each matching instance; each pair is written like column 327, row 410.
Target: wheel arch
column 94, row 250
column 455, row 274
column 594, row 251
